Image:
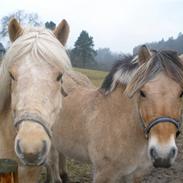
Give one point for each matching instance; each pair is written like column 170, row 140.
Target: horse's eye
column 12, row 77
column 142, row 94
column 59, row 77
column 181, row 95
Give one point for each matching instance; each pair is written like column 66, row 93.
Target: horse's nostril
column 18, row 149
column 173, row 152
column 44, row 149
column 153, row 153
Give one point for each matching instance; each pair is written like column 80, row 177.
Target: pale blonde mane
column 38, row 44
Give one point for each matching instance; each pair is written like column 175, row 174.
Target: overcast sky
column 117, row 24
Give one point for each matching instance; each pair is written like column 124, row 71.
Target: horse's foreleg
column 105, row 175
column 138, row 175
column 131, row 179
column 53, row 172
column 63, row 168
column 56, row 168
column 135, row 177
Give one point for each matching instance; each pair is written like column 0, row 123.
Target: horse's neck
column 126, row 107
column 118, row 92
column 119, row 99
column 128, row 119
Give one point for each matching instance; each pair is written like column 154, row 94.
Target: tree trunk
column 8, row 171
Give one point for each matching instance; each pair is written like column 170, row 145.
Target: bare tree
column 23, row 17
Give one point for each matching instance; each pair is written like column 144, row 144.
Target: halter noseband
column 35, row 119
column 162, row 119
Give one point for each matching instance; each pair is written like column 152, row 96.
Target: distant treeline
column 173, row 44
column 84, row 54
column 105, row 58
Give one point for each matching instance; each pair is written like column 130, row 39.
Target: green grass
column 95, row 76
column 79, row 172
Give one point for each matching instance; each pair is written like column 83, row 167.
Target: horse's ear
column 62, row 32
column 14, row 29
column 144, row 54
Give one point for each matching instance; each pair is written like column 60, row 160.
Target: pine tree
column 83, row 54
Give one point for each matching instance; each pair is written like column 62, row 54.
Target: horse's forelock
column 166, row 61
column 47, row 46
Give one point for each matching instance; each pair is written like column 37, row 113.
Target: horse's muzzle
column 163, row 162
column 32, row 159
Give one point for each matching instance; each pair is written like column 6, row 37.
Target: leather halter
column 159, row 120
column 27, row 117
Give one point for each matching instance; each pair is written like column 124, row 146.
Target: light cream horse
column 127, row 125
column 30, row 92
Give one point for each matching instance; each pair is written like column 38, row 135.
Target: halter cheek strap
column 34, row 119
column 162, row 119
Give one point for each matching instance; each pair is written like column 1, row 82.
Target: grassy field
column 95, row 76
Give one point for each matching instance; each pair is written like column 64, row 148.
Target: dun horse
column 128, row 124
column 30, row 91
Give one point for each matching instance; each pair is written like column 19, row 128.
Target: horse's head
column 157, row 89
column 36, row 61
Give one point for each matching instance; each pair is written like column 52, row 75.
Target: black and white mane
column 122, row 72
column 128, row 67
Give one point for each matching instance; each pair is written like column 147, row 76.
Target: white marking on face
column 162, row 150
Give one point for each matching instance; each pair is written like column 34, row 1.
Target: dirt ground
column 82, row 173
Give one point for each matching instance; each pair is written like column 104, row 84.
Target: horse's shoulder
column 73, row 80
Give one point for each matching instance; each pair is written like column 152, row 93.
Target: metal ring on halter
column 27, row 117
column 162, row 120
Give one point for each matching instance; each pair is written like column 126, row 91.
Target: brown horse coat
column 104, row 126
